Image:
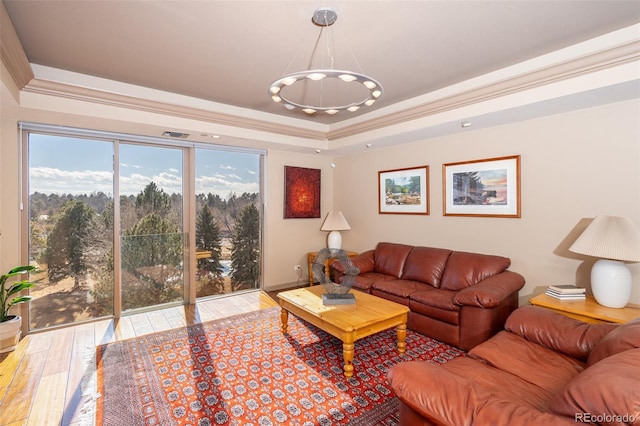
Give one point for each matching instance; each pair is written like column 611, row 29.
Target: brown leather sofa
column 456, row 297
column 544, row 368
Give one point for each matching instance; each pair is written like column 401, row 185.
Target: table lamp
column 614, row 240
column 335, row 222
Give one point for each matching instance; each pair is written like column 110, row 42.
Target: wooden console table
column 311, row 257
column 587, row 310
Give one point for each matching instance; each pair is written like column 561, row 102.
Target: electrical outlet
column 297, row 268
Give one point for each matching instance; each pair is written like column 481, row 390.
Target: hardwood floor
column 41, row 382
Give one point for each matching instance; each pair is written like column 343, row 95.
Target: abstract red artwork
column 301, row 193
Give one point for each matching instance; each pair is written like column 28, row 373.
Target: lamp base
column 334, row 240
column 611, row 283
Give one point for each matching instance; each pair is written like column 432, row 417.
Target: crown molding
column 563, row 70
column 606, row 58
column 69, row 91
column 11, row 51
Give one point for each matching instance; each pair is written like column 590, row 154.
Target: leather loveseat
column 456, row 297
column 543, row 369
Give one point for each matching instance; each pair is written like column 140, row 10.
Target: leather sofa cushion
column 624, row 337
column 364, row 261
column 435, row 303
column 365, row 281
column 500, row 384
column 426, row 264
column 556, row 331
column 608, row 387
column 466, row 269
column 390, row 258
column 443, row 315
column 436, row 297
column 531, row 362
column 400, row 288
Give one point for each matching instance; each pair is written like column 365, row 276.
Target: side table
column 311, row 257
column 587, row 310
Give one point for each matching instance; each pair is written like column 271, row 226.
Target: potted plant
column 10, row 325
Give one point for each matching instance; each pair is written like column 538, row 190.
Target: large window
column 109, row 217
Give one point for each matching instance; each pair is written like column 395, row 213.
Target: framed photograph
column 488, row 187
column 404, row 191
column 301, row 193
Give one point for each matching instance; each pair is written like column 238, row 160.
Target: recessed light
column 318, row 151
column 216, row 136
column 464, row 124
column 369, row 145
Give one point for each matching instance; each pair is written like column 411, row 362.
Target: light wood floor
column 40, row 382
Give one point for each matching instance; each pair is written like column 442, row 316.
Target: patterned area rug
column 243, row 371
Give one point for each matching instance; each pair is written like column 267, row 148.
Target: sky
column 65, row 165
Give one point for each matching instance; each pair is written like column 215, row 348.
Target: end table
column 587, row 310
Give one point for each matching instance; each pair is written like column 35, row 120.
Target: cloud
column 50, row 180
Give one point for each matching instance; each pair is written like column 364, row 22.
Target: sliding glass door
column 228, row 237
column 109, row 219
column 70, row 229
column 151, row 225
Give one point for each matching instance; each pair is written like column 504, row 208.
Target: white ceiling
column 230, row 51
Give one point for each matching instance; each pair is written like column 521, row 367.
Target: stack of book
column 566, row 292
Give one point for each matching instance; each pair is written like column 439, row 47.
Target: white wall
column 573, row 166
column 287, row 241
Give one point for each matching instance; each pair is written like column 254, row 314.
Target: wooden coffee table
column 369, row 315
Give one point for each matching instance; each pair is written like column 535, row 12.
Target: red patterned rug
column 243, row 371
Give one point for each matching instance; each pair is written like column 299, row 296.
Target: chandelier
column 327, row 90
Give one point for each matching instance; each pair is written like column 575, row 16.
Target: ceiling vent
column 178, row 135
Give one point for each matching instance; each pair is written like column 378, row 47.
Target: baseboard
column 286, row 286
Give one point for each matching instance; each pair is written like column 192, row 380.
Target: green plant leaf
column 19, row 270
column 20, row 299
column 18, row 287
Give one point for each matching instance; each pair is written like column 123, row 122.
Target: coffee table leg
column 347, row 354
column 402, row 334
column 284, row 318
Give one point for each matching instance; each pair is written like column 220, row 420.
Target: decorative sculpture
column 336, row 292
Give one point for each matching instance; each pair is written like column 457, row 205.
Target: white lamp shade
column 335, row 222
column 609, row 237
column 614, row 240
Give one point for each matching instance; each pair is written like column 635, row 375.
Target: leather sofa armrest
column 434, row 393
column 443, row 397
column 490, row 292
column 556, row 331
column 364, row 262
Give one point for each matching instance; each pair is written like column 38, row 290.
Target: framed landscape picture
column 488, row 187
column 404, row 191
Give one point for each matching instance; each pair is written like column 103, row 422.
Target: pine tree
column 208, row 239
column 245, row 250
column 69, row 241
